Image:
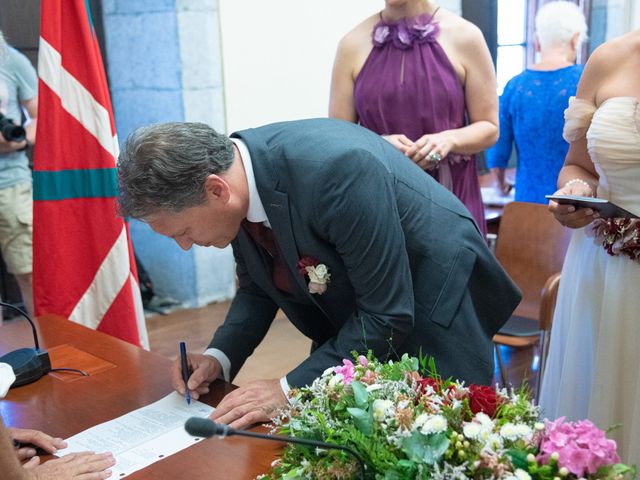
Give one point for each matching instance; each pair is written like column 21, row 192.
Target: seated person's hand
column 75, row 466
column 205, row 369
column 35, row 439
column 256, row 402
column 568, row 215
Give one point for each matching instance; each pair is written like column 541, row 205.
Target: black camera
column 10, row 131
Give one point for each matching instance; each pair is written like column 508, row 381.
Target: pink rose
column 348, row 371
column 318, row 288
column 369, row 377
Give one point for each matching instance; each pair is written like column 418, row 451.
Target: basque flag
column 83, row 263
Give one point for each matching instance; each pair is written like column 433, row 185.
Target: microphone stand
column 223, row 431
column 24, row 314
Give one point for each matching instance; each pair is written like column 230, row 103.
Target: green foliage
column 425, row 448
column 360, row 394
column 362, row 419
column 617, row 472
column 518, row 458
column 403, row 470
column 519, row 410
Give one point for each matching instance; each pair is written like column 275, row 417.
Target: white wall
column 277, row 55
column 634, row 22
column 622, row 16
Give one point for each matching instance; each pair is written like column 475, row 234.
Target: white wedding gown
column 593, row 369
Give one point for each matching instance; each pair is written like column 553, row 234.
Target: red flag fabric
column 83, row 263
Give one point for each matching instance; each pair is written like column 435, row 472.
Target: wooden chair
column 531, row 246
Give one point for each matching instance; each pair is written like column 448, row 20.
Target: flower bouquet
column 406, row 422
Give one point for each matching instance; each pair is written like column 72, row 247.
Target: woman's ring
column 434, row 157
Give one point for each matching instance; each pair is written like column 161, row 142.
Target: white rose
column 524, row 431
column 484, row 420
column 319, row 273
column 435, row 424
column 336, row 380
column 328, row 371
column 509, row 431
column 492, row 442
column 380, row 408
column 522, row 475
column 471, row 430
column 420, row 420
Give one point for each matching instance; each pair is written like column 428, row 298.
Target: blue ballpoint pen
column 185, row 370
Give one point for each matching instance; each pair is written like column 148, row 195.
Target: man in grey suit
column 408, row 270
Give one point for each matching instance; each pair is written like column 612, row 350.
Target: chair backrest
column 531, row 246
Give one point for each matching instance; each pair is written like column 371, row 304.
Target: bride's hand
column 568, row 215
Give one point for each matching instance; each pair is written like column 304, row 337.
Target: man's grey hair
column 163, row 167
column 557, row 23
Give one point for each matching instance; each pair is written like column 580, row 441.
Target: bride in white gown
column 593, row 370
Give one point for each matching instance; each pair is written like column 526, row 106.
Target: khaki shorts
column 16, row 218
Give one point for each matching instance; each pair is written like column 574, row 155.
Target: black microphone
column 203, row 427
column 29, row 364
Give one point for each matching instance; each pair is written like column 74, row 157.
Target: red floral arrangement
column 619, row 236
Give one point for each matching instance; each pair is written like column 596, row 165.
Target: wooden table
column 125, row 378
column 493, row 213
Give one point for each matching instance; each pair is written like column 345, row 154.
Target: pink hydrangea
column 348, row 370
column 582, row 447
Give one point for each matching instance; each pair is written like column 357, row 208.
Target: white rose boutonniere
column 318, row 274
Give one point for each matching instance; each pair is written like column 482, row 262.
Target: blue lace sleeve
column 498, row 155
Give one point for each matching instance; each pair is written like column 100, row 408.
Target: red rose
column 483, row 399
column 423, row 383
column 305, row 262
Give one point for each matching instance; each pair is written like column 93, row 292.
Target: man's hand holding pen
column 204, row 370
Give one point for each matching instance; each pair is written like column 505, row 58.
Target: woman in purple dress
column 423, row 78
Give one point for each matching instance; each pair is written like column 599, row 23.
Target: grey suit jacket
column 410, row 271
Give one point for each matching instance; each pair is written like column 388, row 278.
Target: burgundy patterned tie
column 263, row 236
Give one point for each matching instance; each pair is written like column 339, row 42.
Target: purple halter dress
column 408, row 85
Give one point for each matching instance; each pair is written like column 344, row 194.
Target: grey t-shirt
column 18, row 83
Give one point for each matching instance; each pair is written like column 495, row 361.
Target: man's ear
column 217, row 188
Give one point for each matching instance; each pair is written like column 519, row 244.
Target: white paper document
column 141, row 437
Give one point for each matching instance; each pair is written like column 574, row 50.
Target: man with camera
column 18, row 94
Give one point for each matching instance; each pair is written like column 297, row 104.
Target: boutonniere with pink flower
column 317, row 272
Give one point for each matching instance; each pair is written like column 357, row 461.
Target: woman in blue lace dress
column 532, row 106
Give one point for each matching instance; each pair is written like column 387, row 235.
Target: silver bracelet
column 579, row 180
